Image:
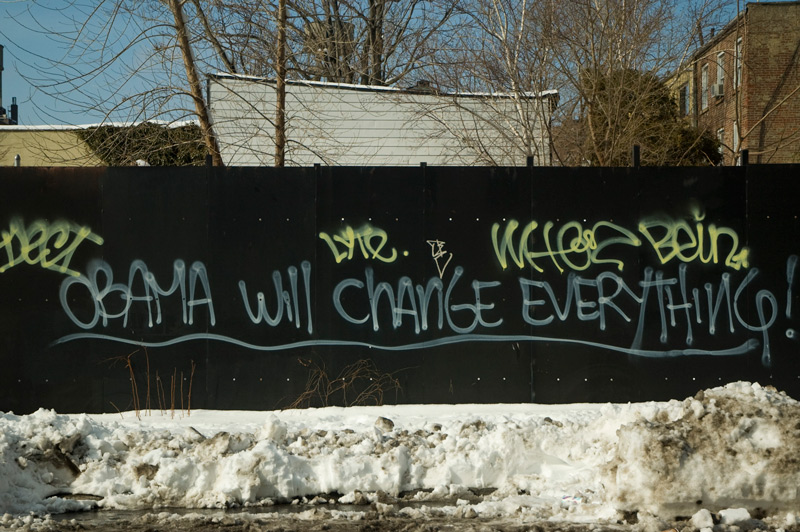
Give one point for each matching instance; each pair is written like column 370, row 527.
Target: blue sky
column 21, row 48
column 26, row 56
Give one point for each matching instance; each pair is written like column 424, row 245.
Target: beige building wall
column 682, row 89
column 44, row 146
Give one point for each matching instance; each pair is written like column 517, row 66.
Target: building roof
column 727, row 28
column 79, row 127
column 551, row 93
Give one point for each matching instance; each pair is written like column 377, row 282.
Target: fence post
column 745, row 157
column 636, row 156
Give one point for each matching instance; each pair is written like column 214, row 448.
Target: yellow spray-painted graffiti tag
column 679, row 240
column 577, row 247
column 370, row 240
column 49, row 244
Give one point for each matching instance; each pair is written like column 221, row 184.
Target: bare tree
column 138, row 60
column 503, row 51
column 582, row 48
column 195, row 89
column 376, row 42
column 600, row 40
column 121, row 66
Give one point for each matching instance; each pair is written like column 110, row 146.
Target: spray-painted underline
column 746, row 347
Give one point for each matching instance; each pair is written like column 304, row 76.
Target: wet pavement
column 303, row 518
column 370, row 521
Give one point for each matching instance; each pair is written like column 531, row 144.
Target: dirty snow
column 728, row 456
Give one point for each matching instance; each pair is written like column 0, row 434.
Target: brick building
column 743, row 85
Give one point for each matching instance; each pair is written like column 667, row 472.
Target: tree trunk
column 376, row 15
column 280, row 88
column 176, row 6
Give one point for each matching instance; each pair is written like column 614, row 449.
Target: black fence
column 452, row 285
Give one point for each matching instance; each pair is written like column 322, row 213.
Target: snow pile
column 731, row 446
column 736, row 445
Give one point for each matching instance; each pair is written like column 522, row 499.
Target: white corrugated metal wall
column 335, row 124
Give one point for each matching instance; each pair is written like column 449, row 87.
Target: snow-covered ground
column 729, row 455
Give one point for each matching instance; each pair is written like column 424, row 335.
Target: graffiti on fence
column 368, row 239
column 449, row 307
column 441, row 257
column 48, row 244
column 577, row 247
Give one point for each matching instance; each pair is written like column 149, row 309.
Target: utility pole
column 280, row 88
column 2, row 111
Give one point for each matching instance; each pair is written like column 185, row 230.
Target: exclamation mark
column 791, row 264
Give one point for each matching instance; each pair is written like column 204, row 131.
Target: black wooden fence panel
column 467, row 284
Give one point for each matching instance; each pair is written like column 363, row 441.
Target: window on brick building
column 718, row 90
column 738, row 70
column 683, row 100
column 704, row 88
column 736, row 142
column 721, row 139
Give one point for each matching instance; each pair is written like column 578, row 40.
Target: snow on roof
column 380, row 88
column 78, row 127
